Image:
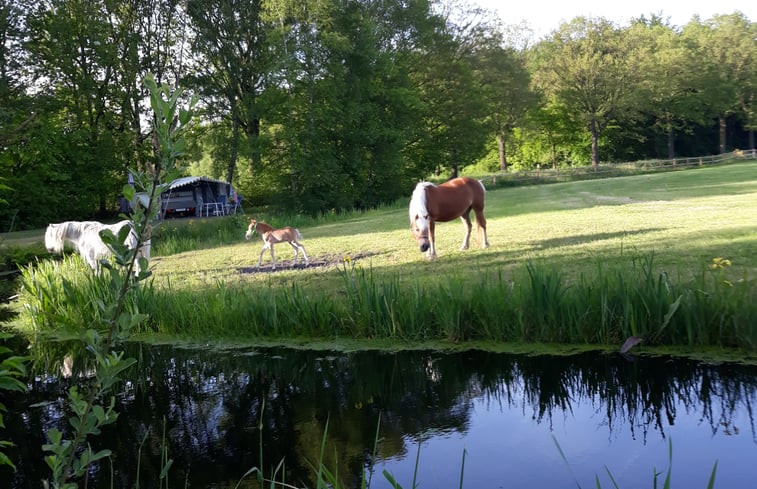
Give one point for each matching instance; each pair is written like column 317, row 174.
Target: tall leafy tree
column 586, row 65
column 152, row 39
column 73, row 44
column 671, row 85
column 506, row 83
column 346, row 102
column 15, row 116
column 230, row 41
column 453, row 109
column 727, row 51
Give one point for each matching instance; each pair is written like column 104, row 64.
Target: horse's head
column 53, row 239
column 251, row 229
column 419, row 227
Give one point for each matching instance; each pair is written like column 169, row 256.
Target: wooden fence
column 608, row 169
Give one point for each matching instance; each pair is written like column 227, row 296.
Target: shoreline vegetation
column 667, row 257
column 536, row 305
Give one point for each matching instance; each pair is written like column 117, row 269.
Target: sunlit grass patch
column 586, row 261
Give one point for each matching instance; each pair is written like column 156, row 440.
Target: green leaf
column 11, row 384
column 99, row 412
column 128, row 192
column 55, row 436
column 711, row 482
column 100, row 455
column 391, row 480
column 4, row 460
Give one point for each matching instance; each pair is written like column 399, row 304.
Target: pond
column 493, row 419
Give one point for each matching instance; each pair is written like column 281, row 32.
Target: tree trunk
column 253, row 136
column 594, row 145
column 671, row 143
column 722, row 134
column 502, row 155
column 751, row 139
column 234, row 150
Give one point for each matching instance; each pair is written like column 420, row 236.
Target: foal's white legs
column 294, row 244
column 297, row 248
column 267, row 246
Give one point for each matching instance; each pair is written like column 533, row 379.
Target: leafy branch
column 69, row 460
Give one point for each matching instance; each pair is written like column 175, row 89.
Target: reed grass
column 532, row 303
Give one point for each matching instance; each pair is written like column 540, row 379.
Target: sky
column 545, row 16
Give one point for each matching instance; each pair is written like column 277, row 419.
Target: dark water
column 501, row 410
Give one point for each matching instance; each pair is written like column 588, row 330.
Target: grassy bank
column 589, row 262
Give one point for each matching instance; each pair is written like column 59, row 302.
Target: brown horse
column 456, row 198
column 272, row 236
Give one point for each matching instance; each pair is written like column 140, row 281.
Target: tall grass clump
column 66, row 296
column 533, row 303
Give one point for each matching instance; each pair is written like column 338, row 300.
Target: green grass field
column 685, row 218
column 581, row 262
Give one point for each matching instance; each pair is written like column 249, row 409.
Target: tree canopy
column 326, row 105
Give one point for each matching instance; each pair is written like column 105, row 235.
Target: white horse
column 85, row 237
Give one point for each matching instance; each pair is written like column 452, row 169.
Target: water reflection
column 210, row 403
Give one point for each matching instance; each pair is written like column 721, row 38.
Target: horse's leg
column 260, row 258
column 89, row 255
column 273, row 257
column 293, row 244
column 481, row 224
column 431, row 253
column 302, row 248
column 466, row 221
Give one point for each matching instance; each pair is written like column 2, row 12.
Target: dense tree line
column 320, row 105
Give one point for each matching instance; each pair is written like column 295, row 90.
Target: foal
column 272, row 236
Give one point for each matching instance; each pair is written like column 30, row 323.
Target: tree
column 454, row 126
column 586, row 65
column 671, row 84
column 74, row 45
column 728, row 52
column 343, row 105
column 230, row 41
column 506, row 83
column 151, row 36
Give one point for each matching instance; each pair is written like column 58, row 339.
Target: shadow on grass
column 588, row 238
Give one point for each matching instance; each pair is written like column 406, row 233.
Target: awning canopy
column 183, row 181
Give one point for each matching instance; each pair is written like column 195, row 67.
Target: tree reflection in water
column 213, row 400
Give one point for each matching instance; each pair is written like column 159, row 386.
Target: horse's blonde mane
column 418, row 201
